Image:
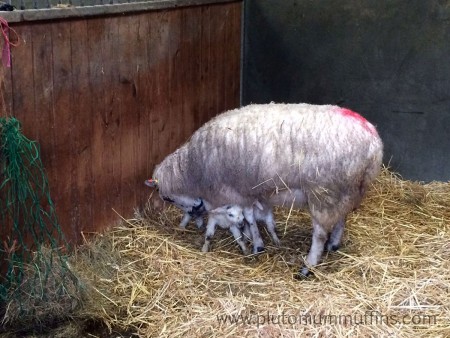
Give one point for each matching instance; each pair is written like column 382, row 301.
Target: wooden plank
column 219, row 15
column 129, row 110
column 40, row 121
column 102, row 176
column 144, row 100
column 190, row 54
column 82, row 196
column 176, row 64
column 23, row 81
column 233, row 56
column 6, row 84
column 206, row 98
column 112, row 118
column 159, row 63
column 63, row 164
column 104, row 10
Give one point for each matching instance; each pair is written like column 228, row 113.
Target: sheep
column 227, row 217
column 325, row 154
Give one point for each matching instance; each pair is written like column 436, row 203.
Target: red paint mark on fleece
column 349, row 113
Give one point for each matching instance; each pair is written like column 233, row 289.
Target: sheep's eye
column 231, row 215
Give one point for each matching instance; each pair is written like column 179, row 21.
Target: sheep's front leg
column 238, row 236
column 258, row 244
column 210, row 231
column 334, row 241
column 319, row 238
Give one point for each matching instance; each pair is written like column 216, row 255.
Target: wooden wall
column 108, row 97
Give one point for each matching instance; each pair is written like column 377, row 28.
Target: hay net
column 32, row 248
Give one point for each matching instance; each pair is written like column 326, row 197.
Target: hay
column 391, row 277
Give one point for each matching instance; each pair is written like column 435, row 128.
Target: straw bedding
column 390, row 278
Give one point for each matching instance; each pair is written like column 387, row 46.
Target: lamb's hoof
column 205, row 248
column 277, row 242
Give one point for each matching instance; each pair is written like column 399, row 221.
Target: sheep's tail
column 373, row 168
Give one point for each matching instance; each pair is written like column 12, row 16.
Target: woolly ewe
column 326, row 155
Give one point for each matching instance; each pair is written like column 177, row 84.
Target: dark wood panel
column 107, row 98
column 101, row 172
column 59, row 122
column 82, row 191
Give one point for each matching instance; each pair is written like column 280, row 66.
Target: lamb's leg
column 199, row 222
column 238, row 236
column 247, row 232
column 319, row 238
column 334, row 241
column 185, row 220
column 210, row 231
column 270, row 225
column 258, row 244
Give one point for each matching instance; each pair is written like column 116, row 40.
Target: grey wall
column 388, row 60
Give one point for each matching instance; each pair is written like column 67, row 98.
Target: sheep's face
column 195, row 207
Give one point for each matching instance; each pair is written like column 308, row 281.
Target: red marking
column 359, row 118
column 151, row 182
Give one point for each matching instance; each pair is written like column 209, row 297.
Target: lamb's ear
column 219, row 210
column 258, row 205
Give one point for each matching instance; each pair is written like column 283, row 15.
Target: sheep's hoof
column 205, row 248
column 260, row 249
column 303, row 274
column 331, row 247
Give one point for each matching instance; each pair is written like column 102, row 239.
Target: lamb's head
column 234, row 214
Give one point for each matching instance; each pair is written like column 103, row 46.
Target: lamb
column 326, row 155
column 227, row 217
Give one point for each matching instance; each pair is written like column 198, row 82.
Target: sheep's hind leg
column 239, row 239
column 319, row 238
column 334, row 242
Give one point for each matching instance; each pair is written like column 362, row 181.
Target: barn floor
column 147, row 278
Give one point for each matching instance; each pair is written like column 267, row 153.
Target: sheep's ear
column 151, row 182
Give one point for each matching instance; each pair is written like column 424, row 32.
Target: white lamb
column 227, row 217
